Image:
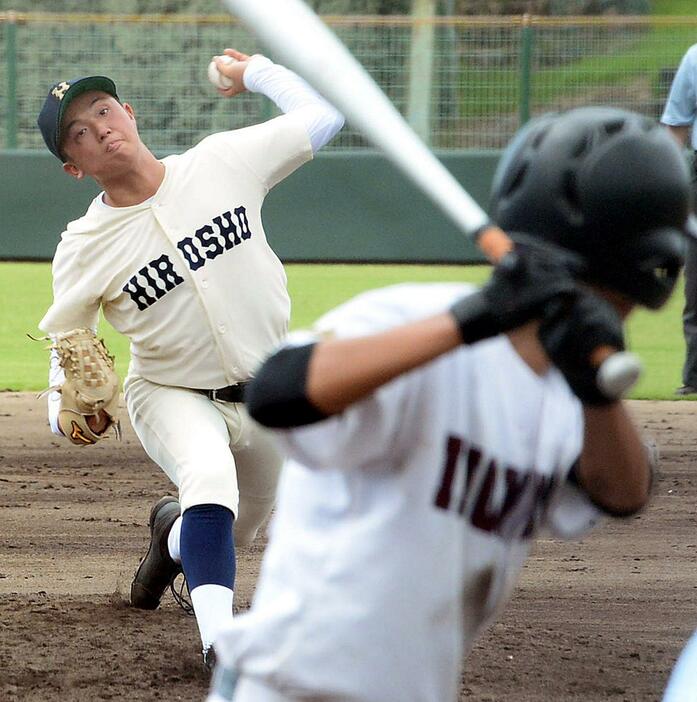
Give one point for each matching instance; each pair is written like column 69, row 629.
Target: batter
column 433, row 431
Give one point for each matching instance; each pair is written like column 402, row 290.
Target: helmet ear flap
column 653, row 266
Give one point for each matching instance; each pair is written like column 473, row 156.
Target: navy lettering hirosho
column 158, row 277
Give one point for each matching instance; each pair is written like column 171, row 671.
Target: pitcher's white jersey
column 402, row 523
column 197, row 289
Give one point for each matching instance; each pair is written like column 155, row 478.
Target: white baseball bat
column 303, row 43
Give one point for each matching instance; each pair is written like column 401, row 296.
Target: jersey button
column 221, row 328
column 204, row 283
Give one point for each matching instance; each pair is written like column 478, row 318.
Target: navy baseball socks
column 200, row 544
column 207, row 551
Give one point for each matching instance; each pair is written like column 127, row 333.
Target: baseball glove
column 91, row 386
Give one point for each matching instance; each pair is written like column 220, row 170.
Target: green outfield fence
column 463, row 82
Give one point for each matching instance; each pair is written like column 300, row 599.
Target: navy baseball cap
column 59, row 97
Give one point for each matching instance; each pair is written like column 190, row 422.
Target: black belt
column 231, row 393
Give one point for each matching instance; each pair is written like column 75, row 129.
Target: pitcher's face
column 100, row 136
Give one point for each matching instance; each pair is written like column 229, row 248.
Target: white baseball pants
column 212, row 451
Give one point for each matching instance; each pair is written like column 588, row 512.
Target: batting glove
column 522, row 283
column 570, row 331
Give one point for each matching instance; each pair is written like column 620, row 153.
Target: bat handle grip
column 493, row 242
column 617, row 371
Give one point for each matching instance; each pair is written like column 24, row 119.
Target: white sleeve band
column 56, row 377
column 290, row 93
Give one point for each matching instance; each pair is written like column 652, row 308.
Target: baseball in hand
column 216, row 77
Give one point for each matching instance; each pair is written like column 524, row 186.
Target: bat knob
column 618, row 374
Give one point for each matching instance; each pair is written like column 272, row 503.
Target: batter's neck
column 527, row 344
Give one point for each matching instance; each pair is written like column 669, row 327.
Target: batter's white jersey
column 682, row 685
column 402, row 524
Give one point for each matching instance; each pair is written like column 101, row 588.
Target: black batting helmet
column 607, row 187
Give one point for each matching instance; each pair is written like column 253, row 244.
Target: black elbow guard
column 276, row 397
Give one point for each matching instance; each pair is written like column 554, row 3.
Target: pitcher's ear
column 72, row 170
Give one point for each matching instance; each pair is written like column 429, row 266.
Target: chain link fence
column 463, row 82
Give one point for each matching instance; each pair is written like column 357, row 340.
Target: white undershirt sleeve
column 56, row 378
column 290, row 93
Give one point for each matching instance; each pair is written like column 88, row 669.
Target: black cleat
column 686, row 390
column 157, row 570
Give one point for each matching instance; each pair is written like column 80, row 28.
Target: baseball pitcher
column 174, row 253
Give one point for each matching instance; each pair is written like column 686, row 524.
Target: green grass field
column 681, row 8
column 25, row 294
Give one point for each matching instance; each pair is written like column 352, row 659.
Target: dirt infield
column 600, row 619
